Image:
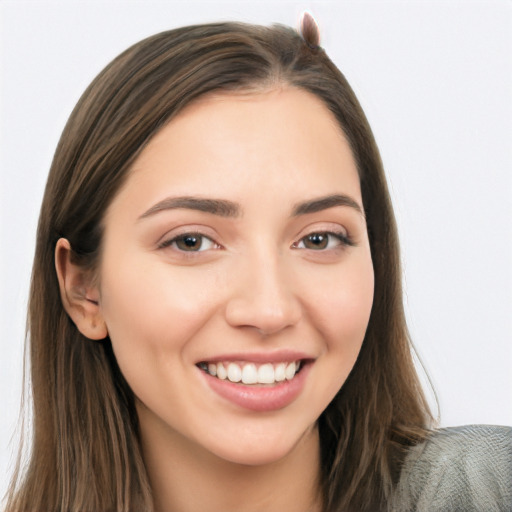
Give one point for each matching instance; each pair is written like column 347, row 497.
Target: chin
column 254, row 457
column 260, row 450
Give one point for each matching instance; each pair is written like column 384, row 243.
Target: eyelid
column 329, row 228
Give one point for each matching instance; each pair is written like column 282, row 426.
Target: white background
column 435, row 79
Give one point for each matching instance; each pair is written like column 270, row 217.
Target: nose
column 263, row 298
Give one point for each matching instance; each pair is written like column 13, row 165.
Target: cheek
column 338, row 308
column 151, row 308
column 342, row 307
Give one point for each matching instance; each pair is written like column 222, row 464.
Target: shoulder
column 458, row 469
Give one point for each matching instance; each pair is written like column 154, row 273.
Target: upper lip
column 279, row 356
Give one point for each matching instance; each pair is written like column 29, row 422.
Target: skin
column 257, row 285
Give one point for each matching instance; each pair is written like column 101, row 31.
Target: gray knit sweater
column 461, row 469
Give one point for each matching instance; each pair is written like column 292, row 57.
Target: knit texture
column 461, row 469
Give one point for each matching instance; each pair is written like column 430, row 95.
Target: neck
column 186, row 478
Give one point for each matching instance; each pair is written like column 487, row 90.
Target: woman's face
column 238, row 246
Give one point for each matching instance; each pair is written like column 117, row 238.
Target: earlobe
column 80, row 298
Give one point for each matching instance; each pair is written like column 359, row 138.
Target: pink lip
column 260, row 398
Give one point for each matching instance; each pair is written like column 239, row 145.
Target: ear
column 80, row 298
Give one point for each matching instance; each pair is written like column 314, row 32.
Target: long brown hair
column 85, row 453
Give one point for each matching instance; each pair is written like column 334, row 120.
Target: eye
column 190, row 242
column 321, row 241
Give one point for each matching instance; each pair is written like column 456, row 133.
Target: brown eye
column 316, row 241
column 323, row 240
column 190, row 242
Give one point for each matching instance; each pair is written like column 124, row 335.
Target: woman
column 216, row 318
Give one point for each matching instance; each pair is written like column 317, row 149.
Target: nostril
column 264, row 319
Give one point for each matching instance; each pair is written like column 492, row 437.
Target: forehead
column 285, row 140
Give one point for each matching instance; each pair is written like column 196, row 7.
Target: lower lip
column 260, row 398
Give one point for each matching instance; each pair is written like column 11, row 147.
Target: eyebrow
column 220, row 207
column 225, row 208
column 323, row 203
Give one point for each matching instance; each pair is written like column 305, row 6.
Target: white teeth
column 221, row 372
column 279, row 372
column 266, row 374
column 290, row 371
column 250, row 373
column 234, row 372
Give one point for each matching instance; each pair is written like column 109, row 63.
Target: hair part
column 86, row 454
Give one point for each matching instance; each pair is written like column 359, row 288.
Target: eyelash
column 343, row 239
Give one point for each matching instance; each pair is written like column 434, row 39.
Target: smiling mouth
column 251, row 373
